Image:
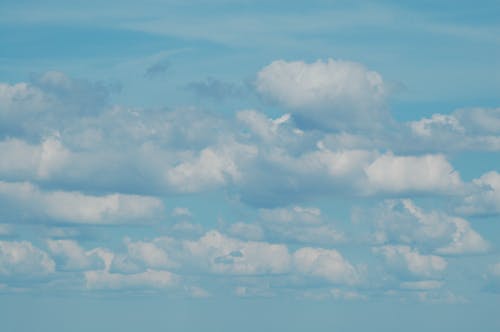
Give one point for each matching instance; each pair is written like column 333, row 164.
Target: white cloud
column 210, row 169
column 24, row 161
column 75, row 207
column 20, row 98
column 23, row 259
column 181, row 212
column 401, row 221
column 329, row 93
column 220, row 254
column 485, row 200
column 429, row 173
column 246, row 231
column 331, row 84
column 73, row 256
column 265, row 128
column 465, row 129
column 148, row 254
column 480, row 120
column 299, row 224
column 426, row 126
column 326, row 264
column 404, row 258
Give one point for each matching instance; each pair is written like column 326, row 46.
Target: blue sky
column 249, row 165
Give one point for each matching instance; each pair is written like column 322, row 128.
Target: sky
column 249, row 166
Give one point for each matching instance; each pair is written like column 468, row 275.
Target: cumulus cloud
column 401, row 221
column 148, row 254
column 211, row 168
column 22, row 259
column 326, row 264
column 75, row 207
column 25, row 161
column 430, row 173
column 71, row 256
column 218, row 253
column 485, row 200
column 474, row 129
column 332, row 93
column 300, row 225
column 407, row 260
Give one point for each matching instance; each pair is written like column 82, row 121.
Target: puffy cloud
column 299, row 224
column 102, row 280
column 75, row 207
column 430, row 173
column 24, row 161
column 485, row 200
column 267, row 129
column 181, row 212
column 246, row 231
column 72, row 256
column 22, row 259
column 401, row 221
column 406, row 259
column 211, row 168
column 334, row 93
column 326, row 264
column 148, row 254
column 218, row 253
column 464, row 129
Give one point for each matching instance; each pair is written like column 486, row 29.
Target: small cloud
column 181, row 212
column 157, row 69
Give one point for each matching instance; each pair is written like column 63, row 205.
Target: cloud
column 299, row 224
column 407, row 260
column 401, row 221
column 326, row 264
column 75, row 95
column 22, row 259
column 473, row 129
column 72, row 257
column 223, row 255
column 333, row 93
column 430, row 173
column 75, row 207
column 24, row 161
column 210, row 169
column 485, row 200
column 148, row 254
column 157, row 69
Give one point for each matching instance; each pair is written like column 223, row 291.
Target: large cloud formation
column 74, row 165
